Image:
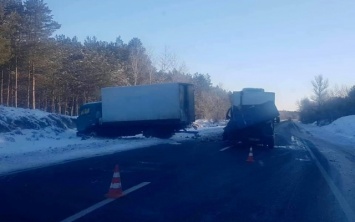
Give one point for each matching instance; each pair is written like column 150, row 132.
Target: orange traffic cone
column 115, row 190
column 250, row 157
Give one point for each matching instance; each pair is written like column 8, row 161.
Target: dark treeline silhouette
column 58, row 74
column 326, row 106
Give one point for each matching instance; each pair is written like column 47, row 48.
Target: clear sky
column 278, row 45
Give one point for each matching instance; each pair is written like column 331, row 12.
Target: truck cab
column 89, row 117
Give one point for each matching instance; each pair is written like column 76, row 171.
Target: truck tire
column 159, row 133
column 164, row 134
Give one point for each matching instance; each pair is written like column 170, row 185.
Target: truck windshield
column 84, row 111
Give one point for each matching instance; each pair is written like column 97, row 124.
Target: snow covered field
column 30, row 139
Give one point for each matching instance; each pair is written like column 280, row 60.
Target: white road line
column 349, row 213
column 136, row 187
column 102, row 203
column 88, row 210
column 283, row 147
column 225, row 148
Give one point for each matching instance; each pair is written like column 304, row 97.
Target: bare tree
column 320, row 90
column 320, row 96
column 135, row 59
column 151, row 69
column 339, row 91
column 168, row 60
column 183, row 68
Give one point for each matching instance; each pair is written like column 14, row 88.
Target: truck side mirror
column 228, row 114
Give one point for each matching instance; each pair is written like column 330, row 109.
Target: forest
column 59, row 73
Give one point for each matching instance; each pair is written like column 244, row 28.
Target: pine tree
column 11, row 24
column 39, row 26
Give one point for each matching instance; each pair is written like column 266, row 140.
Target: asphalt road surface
column 196, row 180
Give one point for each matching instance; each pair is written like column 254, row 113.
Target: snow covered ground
column 30, row 139
column 336, row 142
column 341, row 131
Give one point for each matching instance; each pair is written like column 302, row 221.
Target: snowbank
column 344, row 126
column 341, row 131
column 12, row 119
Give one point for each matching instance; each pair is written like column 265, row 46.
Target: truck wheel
column 163, row 133
column 159, row 133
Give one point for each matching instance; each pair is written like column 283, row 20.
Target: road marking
column 88, row 210
column 175, row 143
column 283, row 147
column 102, row 203
column 134, row 188
column 225, row 148
column 303, row 160
column 349, row 213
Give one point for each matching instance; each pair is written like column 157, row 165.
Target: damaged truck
column 252, row 116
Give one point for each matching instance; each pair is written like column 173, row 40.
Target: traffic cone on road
column 250, row 157
column 115, row 190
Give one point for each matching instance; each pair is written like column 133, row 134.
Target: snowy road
column 190, row 180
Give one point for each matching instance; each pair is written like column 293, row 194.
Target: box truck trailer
column 157, row 110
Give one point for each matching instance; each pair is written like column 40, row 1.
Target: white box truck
column 157, row 110
column 251, row 117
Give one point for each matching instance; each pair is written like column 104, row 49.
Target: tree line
column 58, row 74
column 326, row 105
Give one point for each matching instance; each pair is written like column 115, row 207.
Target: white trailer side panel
column 252, row 97
column 140, row 103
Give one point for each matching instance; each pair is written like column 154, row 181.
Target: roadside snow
column 201, row 123
column 36, row 148
column 341, row 131
column 32, row 138
column 15, row 119
column 336, row 142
